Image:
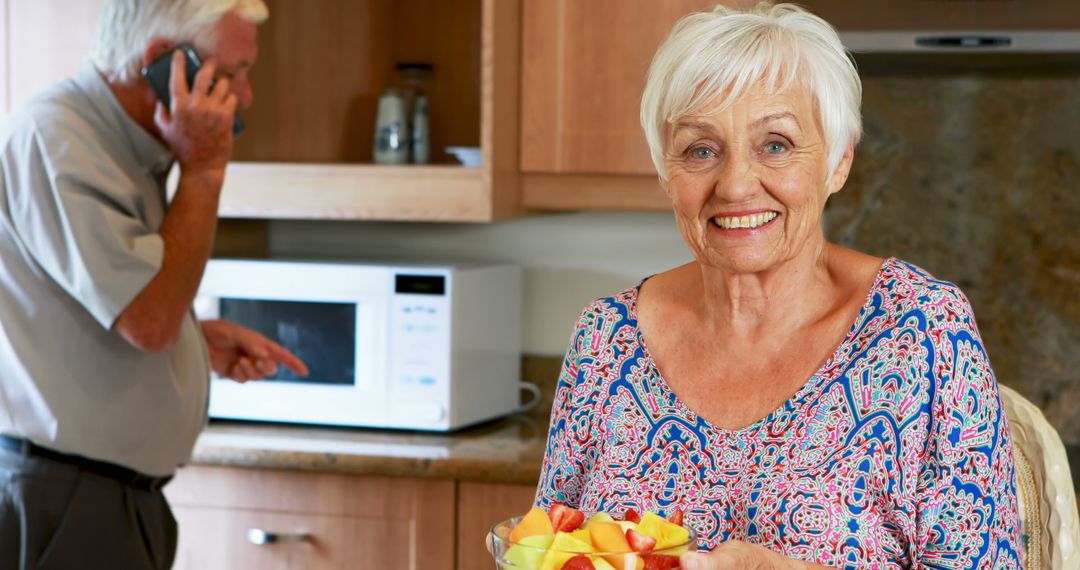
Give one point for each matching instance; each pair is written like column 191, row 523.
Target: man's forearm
column 151, row 322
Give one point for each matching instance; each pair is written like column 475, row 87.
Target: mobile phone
column 158, row 73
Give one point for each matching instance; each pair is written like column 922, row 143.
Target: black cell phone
column 158, row 73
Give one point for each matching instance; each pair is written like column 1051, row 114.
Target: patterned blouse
column 895, row 454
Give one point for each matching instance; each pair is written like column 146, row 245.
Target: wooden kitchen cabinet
column 352, row 521
column 322, row 68
column 582, row 73
column 306, row 153
column 481, row 505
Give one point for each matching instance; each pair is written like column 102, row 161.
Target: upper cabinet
column 307, row 150
column 323, row 65
column 583, row 72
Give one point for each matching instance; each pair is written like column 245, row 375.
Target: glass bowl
column 517, row 556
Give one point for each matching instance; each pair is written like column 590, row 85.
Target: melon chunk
column 665, row 533
column 530, row 552
column 610, row 537
column 535, row 522
column 563, row 548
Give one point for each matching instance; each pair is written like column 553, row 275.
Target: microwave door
column 338, row 342
column 322, row 334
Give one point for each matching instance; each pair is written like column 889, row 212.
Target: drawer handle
column 261, row 537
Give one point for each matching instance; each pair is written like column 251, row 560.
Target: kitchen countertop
column 509, row 450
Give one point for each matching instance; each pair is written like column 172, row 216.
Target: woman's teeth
column 741, row 222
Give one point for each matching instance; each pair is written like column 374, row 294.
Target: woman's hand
column 739, row 555
column 243, row 354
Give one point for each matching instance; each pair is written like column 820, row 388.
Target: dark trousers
column 59, row 516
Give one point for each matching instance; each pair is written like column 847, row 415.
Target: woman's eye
column 701, row 153
column 775, row 147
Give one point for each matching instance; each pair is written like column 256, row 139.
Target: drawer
column 353, row 521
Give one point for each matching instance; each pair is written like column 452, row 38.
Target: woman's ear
column 843, row 168
column 157, row 48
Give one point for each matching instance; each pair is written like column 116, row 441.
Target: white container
column 420, row 145
column 391, row 144
column 468, row 156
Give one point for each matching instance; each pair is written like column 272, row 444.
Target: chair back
column 1044, row 487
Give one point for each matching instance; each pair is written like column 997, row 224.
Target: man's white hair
column 125, row 28
column 711, row 58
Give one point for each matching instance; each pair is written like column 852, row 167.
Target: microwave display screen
column 323, row 335
column 420, row 284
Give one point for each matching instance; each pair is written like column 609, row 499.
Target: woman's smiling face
column 749, row 183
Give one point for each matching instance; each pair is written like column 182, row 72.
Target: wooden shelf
column 354, row 192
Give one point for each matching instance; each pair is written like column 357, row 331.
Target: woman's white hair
column 711, row 58
column 125, row 28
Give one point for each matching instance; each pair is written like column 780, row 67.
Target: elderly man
column 103, row 366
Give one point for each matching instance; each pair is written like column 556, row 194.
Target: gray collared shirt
column 82, row 196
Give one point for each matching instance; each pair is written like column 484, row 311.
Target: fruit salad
column 562, row 538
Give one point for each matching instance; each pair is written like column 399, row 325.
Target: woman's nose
column 736, row 178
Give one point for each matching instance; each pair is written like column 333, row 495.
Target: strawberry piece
column 579, row 562
column 640, row 542
column 676, row 517
column 660, row 561
column 632, row 516
column 564, row 518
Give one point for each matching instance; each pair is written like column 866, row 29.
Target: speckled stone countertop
column 509, row 450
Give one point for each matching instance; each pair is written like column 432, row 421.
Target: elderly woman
column 800, row 402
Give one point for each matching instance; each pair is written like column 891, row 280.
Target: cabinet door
column 583, row 72
column 217, row 538
column 46, row 42
column 481, row 505
column 353, row 522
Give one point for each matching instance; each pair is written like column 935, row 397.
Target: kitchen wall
column 974, row 176
column 569, row 259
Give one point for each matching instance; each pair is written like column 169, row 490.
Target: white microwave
column 425, row 347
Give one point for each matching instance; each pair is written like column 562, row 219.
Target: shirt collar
column 154, row 157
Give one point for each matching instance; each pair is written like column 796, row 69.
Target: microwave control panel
column 420, row 322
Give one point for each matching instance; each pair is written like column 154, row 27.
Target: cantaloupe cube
column 535, row 522
column 610, row 537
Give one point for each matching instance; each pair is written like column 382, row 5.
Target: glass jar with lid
column 412, row 80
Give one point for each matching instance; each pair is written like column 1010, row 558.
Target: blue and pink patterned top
column 895, row 454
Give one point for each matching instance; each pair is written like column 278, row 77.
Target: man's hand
column 243, row 354
column 198, row 127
